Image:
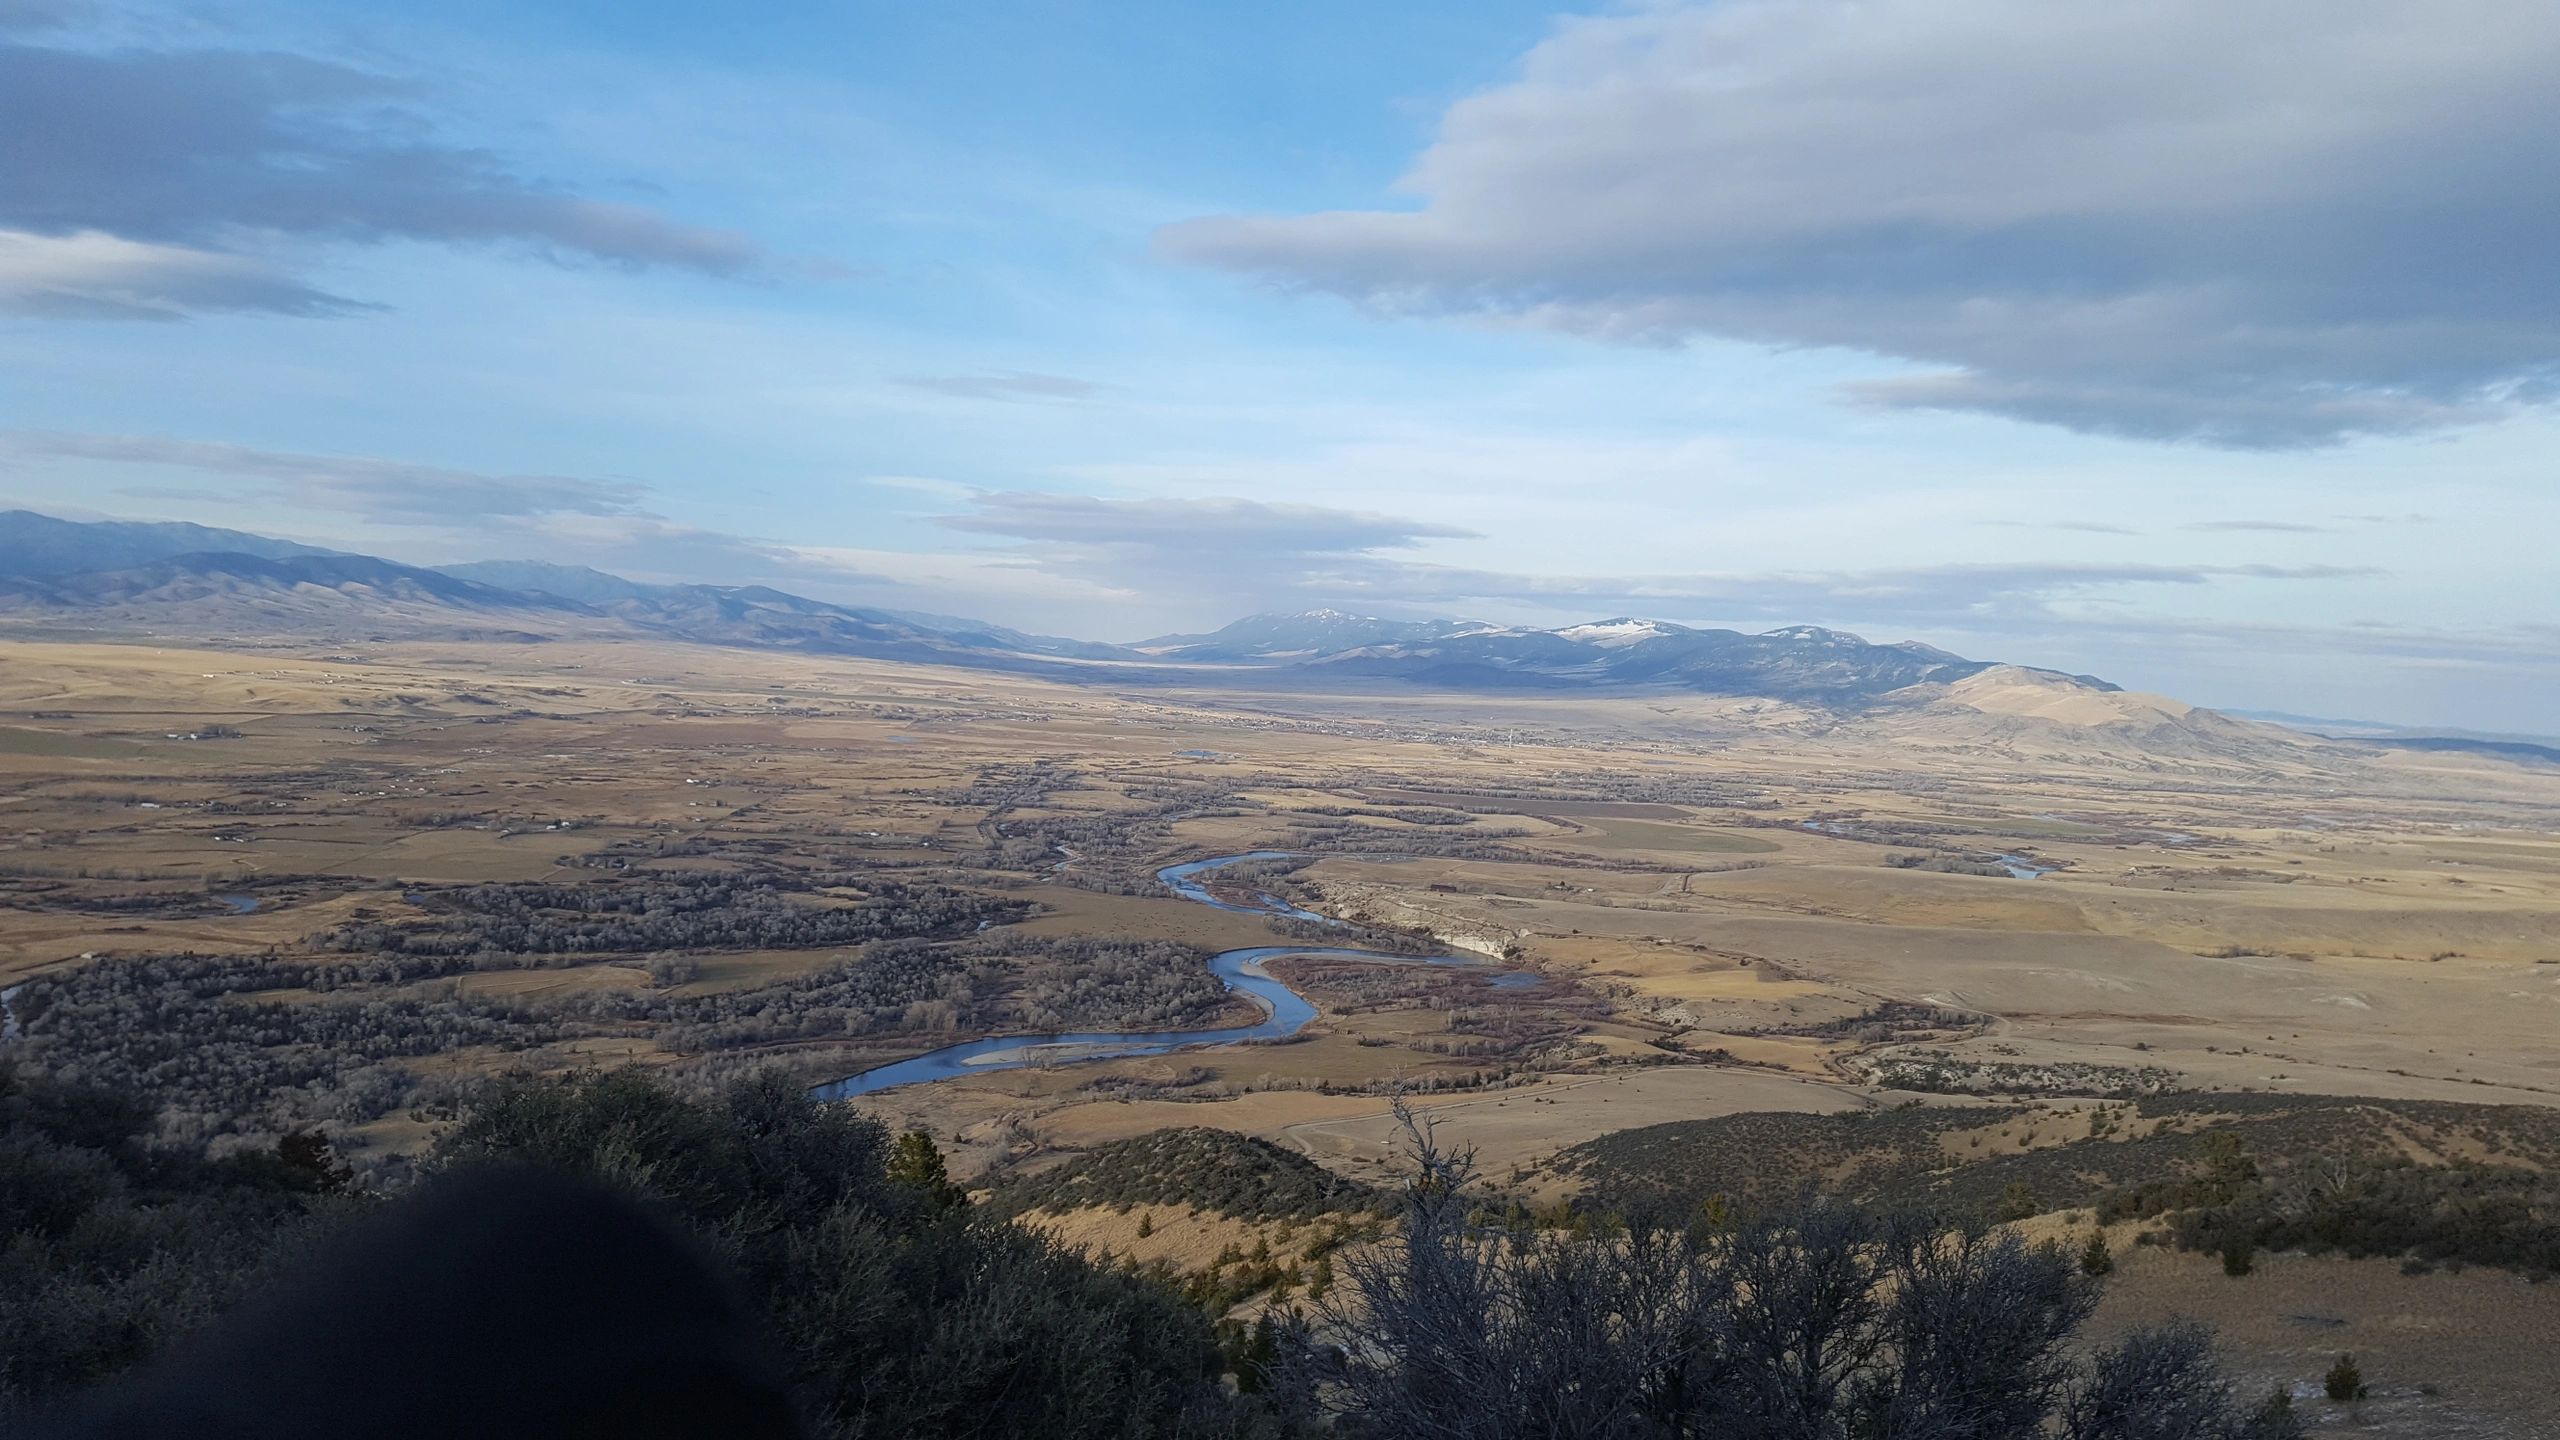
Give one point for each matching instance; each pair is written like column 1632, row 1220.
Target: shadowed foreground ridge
column 602, row 1255
column 883, row 1304
column 500, row 1303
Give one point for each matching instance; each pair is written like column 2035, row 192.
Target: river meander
column 1287, row 1011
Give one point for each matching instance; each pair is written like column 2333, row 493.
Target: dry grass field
column 1691, row 875
column 707, row 859
column 2445, row 1355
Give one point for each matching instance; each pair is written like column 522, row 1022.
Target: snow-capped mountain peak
column 1800, row 662
column 1813, row 635
column 1611, row 634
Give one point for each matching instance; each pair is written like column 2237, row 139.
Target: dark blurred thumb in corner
column 497, row 1304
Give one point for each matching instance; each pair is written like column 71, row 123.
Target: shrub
column 114, row 1246
column 1232, row 1174
column 900, row 1309
column 897, row 1309
column 1824, row 1321
column 2165, row 1384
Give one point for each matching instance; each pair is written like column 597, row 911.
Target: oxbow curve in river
column 1239, row 970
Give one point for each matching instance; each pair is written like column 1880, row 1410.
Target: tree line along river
column 1240, row 970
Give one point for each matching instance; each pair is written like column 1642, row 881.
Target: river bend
column 1286, row 1011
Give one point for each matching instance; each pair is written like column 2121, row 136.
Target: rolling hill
column 1306, row 635
column 319, row 594
column 1800, row 662
column 34, row 547
column 179, row 579
column 186, row 580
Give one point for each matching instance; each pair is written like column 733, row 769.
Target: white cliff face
column 1392, row 908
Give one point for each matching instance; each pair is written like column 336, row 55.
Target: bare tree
column 1823, row 1323
column 1464, row 1329
column 1977, row 1328
column 2167, row 1384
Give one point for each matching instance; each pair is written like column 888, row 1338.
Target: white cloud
column 965, row 581
column 2271, row 224
column 1901, row 596
column 1223, row 527
column 1212, row 555
column 91, row 274
column 394, row 492
column 145, row 182
column 361, row 500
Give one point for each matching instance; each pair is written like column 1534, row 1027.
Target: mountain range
column 194, row 580
column 34, row 546
column 1800, row 662
column 131, row 578
column 162, row 578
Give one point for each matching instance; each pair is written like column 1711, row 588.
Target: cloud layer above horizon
column 154, row 183
column 2209, row 348
column 2275, row 224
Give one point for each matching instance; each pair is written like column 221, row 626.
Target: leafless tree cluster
column 1018, row 983
column 184, row 1035
column 1825, row 1324
column 220, row 1044
column 673, row 912
column 1621, row 785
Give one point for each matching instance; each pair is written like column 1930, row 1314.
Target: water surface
column 1286, row 1012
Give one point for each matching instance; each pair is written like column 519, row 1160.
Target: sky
column 2208, row 348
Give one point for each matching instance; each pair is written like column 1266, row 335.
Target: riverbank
column 1285, row 1011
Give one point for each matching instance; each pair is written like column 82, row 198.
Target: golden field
column 1708, row 903
column 2295, row 916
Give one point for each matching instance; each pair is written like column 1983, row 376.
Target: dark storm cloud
column 2277, row 224
column 200, row 159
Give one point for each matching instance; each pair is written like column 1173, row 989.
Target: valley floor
column 401, row 867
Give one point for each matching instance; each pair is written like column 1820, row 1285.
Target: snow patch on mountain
column 1610, row 634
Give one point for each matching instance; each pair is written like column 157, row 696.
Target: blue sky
column 2009, row 327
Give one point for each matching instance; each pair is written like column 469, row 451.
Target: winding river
column 1239, row 970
